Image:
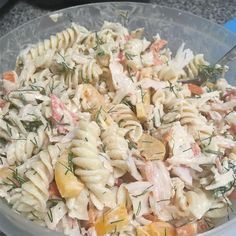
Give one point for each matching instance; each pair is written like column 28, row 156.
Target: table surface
column 16, row 13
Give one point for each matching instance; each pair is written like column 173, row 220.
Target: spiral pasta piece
column 116, row 147
column 20, row 150
column 126, row 119
column 195, row 122
column 61, row 40
column 35, row 191
column 170, row 73
column 89, row 166
column 192, row 68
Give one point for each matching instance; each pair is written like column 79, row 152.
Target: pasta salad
column 98, row 136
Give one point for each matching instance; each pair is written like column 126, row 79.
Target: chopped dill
column 116, row 221
column 63, row 63
column 131, row 145
column 70, row 167
column 97, row 116
column 210, row 72
column 139, row 208
column 32, row 126
column 129, row 56
column 144, row 192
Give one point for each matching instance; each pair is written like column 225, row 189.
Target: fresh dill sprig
column 128, row 103
column 210, row 72
column 41, row 89
column 116, row 221
column 70, row 166
column 54, row 201
column 97, row 116
column 86, row 79
column 15, row 181
column 131, row 145
column 172, row 88
column 34, row 141
column 64, row 65
column 218, row 153
column 32, row 126
column 139, row 208
column 129, row 56
column 50, row 216
column 143, row 192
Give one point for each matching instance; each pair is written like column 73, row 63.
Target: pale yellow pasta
column 126, row 119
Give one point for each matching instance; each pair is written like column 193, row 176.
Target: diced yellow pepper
column 5, row 173
column 156, row 229
column 147, row 97
column 141, row 111
column 68, row 184
column 151, row 148
column 92, row 97
column 113, row 220
column 143, row 106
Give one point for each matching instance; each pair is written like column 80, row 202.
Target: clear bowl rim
column 231, row 36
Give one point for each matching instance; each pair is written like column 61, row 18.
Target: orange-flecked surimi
column 53, row 190
column 232, row 195
column 10, row 76
column 156, row 46
column 187, row 230
column 156, row 229
column 195, row 89
column 167, row 136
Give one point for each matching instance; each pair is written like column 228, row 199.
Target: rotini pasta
column 35, row 189
column 90, row 168
column 117, row 148
column 126, row 119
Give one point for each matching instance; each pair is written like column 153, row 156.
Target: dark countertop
column 16, row 13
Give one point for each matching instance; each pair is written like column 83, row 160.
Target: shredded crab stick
column 157, row 174
column 195, row 89
column 155, row 49
column 10, row 81
column 61, row 115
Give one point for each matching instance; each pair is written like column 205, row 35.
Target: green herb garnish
column 32, row 126
column 139, row 208
column 63, row 63
column 116, row 221
column 144, row 192
column 50, row 216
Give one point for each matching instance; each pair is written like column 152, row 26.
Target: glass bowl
column 176, row 26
